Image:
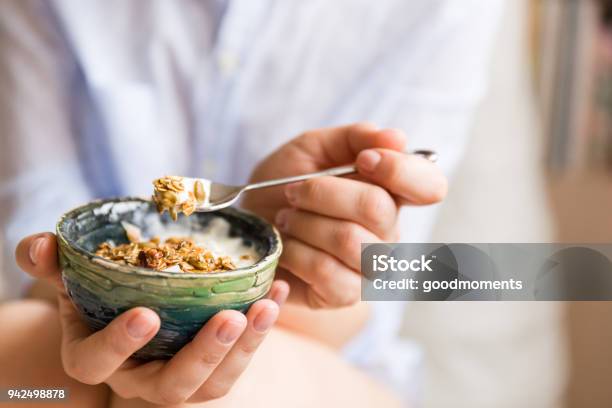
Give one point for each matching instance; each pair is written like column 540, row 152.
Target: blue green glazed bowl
column 101, row 289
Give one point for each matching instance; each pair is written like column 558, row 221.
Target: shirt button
column 228, row 62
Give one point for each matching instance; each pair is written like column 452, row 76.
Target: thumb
column 37, row 256
column 410, row 177
column 93, row 357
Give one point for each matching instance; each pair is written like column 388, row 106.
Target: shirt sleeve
column 40, row 175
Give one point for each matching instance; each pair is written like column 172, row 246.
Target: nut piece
column 189, row 206
column 198, row 190
column 173, row 213
column 131, row 231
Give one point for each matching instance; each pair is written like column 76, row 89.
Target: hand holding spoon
column 185, row 194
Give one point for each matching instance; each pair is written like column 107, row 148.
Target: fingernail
column 368, row 160
column 281, row 219
column 291, row 192
column 35, row 249
column 229, row 331
column 265, row 320
column 139, row 326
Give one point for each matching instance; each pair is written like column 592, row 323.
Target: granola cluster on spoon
column 177, row 194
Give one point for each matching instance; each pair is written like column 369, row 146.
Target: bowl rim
column 263, row 263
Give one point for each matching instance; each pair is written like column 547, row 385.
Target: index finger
column 340, row 145
column 37, row 256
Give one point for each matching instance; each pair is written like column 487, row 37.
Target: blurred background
column 541, row 150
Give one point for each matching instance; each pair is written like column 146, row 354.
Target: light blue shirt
column 97, row 98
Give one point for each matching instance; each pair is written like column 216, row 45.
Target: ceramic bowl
column 101, row 289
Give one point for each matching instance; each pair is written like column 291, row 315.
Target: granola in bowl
column 173, row 253
column 177, row 253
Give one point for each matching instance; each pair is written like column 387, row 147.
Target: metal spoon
column 217, row 196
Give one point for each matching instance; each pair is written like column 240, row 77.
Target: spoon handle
column 335, row 171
